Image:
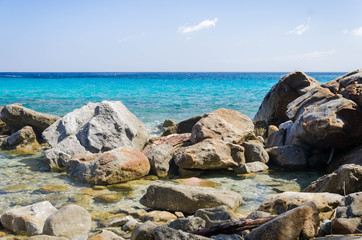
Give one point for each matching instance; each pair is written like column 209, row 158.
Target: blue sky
column 198, row 35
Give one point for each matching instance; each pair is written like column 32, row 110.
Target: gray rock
column 189, row 224
column 223, row 124
column 258, row 214
column 210, row 154
column 350, row 206
column 188, row 199
column 162, row 233
column 114, row 166
column 227, row 237
column 350, row 157
column 251, row 167
column 187, row 125
column 130, row 225
column 276, row 138
column 22, row 142
column 28, row 220
column 299, row 223
column 216, row 216
column 289, row 157
column 94, row 128
column 289, row 87
column 106, row 235
column 347, row 225
column 144, row 231
column 159, row 158
column 119, row 222
column 169, row 127
column 45, row 237
column 345, row 180
column 255, row 152
column 71, row 221
column 16, row 117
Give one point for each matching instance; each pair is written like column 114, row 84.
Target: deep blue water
column 152, row 97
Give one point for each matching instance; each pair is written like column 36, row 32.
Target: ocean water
column 152, row 97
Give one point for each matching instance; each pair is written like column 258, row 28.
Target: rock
column 329, row 115
column 258, row 214
column 158, row 216
column 289, row 87
column 173, row 140
column 22, row 142
column 45, row 237
column 162, row 233
column 71, row 221
column 227, row 237
column 188, row 199
column 210, row 154
column 108, row 198
column 179, row 215
column 16, row 117
column 144, row 231
column 189, row 224
column 271, row 129
column 186, row 126
column 106, row 235
column 353, row 156
column 28, row 220
column 251, row 167
column 350, row 206
column 130, row 225
column 169, row 127
column 276, row 138
column 52, row 188
column 261, row 129
column 299, row 223
column 159, row 158
column 289, row 157
column 94, row 128
column 280, row 203
column 216, row 216
column 198, row 182
column 4, row 129
column 223, row 124
column 345, row 180
column 114, row 166
column 255, row 152
column 119, row 222
column 347, row 225
column 186, row 173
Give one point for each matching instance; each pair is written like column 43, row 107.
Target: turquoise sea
column 152, row 97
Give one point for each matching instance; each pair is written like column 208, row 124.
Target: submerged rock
column 115, row 166
column 22, row 142
column 94, row 128
column 345, row 180
column 16, row 117
column 289, row 87
column 223, row 124
column 188, row 199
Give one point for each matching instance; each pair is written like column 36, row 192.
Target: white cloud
column 204, row 24
column 357, row 32
column 299, row 30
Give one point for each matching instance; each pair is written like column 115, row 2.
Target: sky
column 180, row 36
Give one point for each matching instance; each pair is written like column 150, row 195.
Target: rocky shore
column 301, row 125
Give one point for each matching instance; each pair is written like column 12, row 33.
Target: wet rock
column 108, row 198
column 188, row 199
column 189, row 224
column 224, row 124
column 162, row 233
column 255, row 152
column 345, row 180
column 280, row 203
column 121, row 187
column 198, row 182
column 28, row 220
column 16, row 117
column 289, row 87
column 159, row 158
column 158, row 216
column 299, row 223
column 114, row 166
column 52, row 188
column 174, row 140
column 216, row 216
column 106, row 235
column 94, row 128
column 186, row 173
column 289, row 157
column 210, row 154
column 71, row 221
column 251, row 167
column 144, row 231
column 22, row 142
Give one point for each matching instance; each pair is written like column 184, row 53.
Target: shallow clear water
column 153, row 97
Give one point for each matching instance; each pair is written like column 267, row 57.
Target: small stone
column 121, row 187
column 179, row 215
column 99, row 187
column 130, row 225
column 106, row 235
column 119, row 222
column 108, row 198
column 272, row 129
column 198, row 182
column 52, row 188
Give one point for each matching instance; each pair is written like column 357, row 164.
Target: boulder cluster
column 301, row 124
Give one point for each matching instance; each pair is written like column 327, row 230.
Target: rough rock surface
column 23, row 141
column 223, row 124
column 144, row 231
column 4, row 129
column 71, row 221
column 162, row 233
column 115, row 166
column 345, row 180
column 106, row 235
column 189, row 224
column 280, row 203
column 289, row 87
column 299, row 223
column 210, row 154
column 188, row 199
column 255, row 152
column 186, row 126
column 159, row 158
column 28, row 220
column 46, row 237
column 174, row 140
column 94, row 128
column 251, row 167
column 16, row 117
column 289, row 157
column 216, row 216
column 158, row 216
column 353, row 156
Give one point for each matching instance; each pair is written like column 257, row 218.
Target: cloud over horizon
column 202, row 25
column 357, row 31
column 299, row 30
